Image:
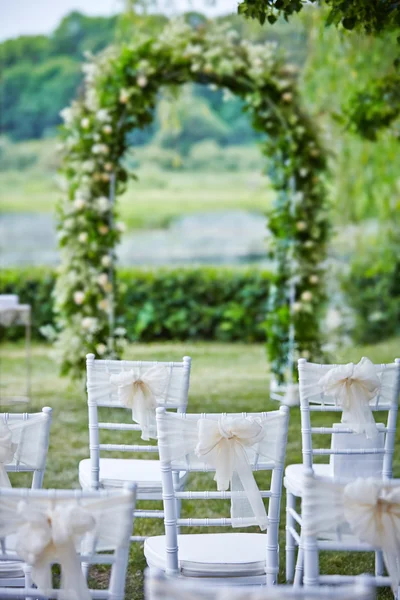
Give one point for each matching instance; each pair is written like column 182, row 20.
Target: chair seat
column 11, row 569
column 293, row 480
column 114, row 472
column 212, row 554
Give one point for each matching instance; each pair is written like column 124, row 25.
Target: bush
column 372, row 289
column 164, row 304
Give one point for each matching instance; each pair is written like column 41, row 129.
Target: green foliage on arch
column 121, row 88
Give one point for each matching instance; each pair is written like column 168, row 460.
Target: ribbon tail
column 140, row 413
column 246, row 500
column 73, row 583
column 223, row 466
column 392, row 563
column 4, row 479
column 358, row 416
column 41, row 573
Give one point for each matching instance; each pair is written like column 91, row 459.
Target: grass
column 225, row 377
column 158, row 197
column 153, row 201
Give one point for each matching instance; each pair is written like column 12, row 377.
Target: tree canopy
column 364, row 15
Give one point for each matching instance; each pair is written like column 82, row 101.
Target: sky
column 30, row 17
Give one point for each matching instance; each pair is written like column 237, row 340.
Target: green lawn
column 225, row 377
column 152, row 201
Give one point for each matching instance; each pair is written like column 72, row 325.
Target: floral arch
column 120, row 93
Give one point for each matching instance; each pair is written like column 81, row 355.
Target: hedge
column 201, row 303
column 372, row 290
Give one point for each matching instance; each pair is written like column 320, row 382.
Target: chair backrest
column 68, row 527
column 367, row 508
column 24, row 442
column 160, row 587
column 232, row 446
column 139, row 386
column 370, row 454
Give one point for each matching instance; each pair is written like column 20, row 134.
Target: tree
column 371, row 17
column 376, row 105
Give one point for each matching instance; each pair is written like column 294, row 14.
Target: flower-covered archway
column 120, row 93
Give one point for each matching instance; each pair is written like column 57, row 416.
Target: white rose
column 67, row 115
column 301, row 225
column 297, row 306
column 101, row 348
column 88, row 323
column 287, row 97
column 142, row 81
column 102, row 115
column 108, row 166
column 103, row 279
column 88, row 166
column 306, row 296
column 85, row 123
column 303, row 172
column 83, row 237
column 123, row 96
column 107, row 129
column 102, row 204
column 100, row 149
column 120, row 331
column 121, row 227
column 106, row 260
column 103, row 305
column 79, row 203
column 314, row 279
column 103, row 229
column 79, row 297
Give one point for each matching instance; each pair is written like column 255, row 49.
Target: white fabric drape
column 7, row 451
column 353, row 387
column 22, row 442
column 139, row 391
column 231, row 445
column 52, row 530
column 310, row 389
column 371, row 509
column 140, row 387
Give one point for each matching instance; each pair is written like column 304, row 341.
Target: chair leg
column 311, row 560
column 299, row 571
column 379, row 566
column 290, row 541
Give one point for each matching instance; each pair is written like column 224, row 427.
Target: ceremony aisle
column 225, row 377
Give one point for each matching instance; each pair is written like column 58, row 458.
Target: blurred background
column 201, row 196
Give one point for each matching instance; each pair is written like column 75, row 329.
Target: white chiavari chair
column 140, row 387
column 232, row 446
column 367, row 509
column 160, row 587
column 24, row 442
column 358, row 446
column 67, row 527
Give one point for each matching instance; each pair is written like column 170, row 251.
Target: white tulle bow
column 139, row 392
column 373, row 513
column 221, row 444
column 47, row 536
column 7, row 451
column 353, row 387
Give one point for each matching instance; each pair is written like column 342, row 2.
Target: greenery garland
column 120, row 93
